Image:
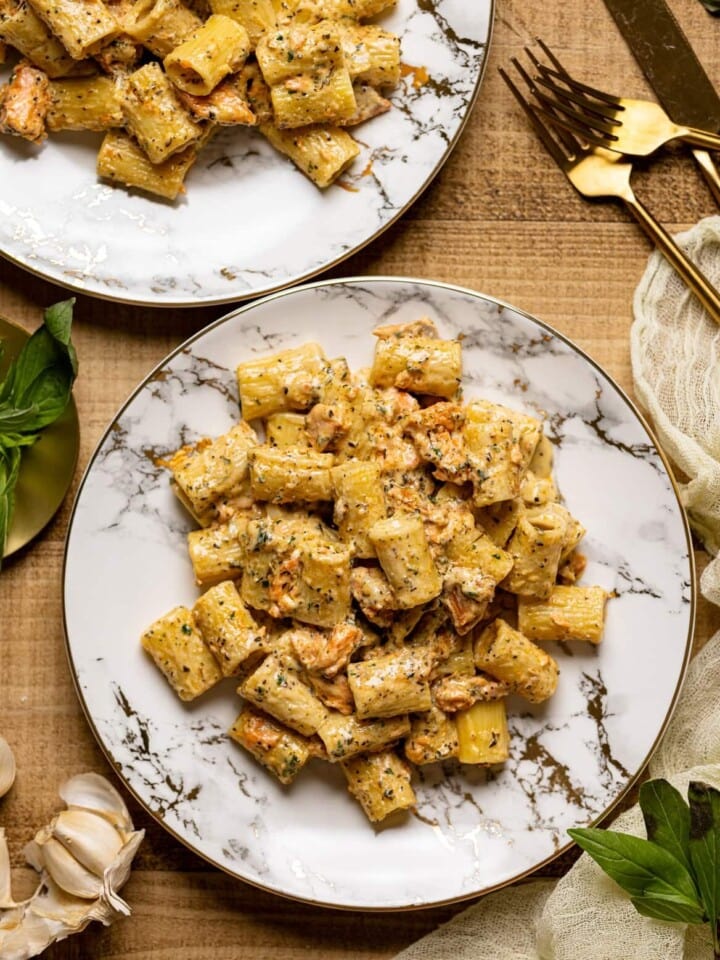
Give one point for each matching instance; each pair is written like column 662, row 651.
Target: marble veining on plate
column 571, row 757
column 250, row 221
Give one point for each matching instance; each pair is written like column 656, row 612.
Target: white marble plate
column 250, row 222
column 572, row 758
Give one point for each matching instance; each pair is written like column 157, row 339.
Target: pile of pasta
column 377, row 569
column 159, row 77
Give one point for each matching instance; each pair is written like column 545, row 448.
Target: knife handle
column 694, row 278
column 710, row 172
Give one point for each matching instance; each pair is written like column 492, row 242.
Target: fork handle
column 710, row 172
column 694, row 278
column 700, row 138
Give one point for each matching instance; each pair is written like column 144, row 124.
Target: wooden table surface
column 499, row 218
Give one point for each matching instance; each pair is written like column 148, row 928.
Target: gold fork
column 633, row 127
column 597, row 173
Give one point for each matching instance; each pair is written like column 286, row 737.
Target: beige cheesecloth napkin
column 585, row 915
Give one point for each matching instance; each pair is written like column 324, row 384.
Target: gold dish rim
column 365, row 280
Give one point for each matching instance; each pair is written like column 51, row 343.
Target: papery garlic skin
column 7, row 767
column 84, row 856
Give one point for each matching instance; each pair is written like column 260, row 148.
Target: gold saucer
column 47, row 468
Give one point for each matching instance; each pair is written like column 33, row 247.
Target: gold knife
column 672, row 70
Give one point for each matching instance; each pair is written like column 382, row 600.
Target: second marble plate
column 572, row 758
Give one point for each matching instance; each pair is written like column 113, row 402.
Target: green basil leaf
column 9, row 468
column 668, row 910
column 40, row 380
column 705, row 845
column 712, row 6
column 640, row 867
column 58, row 320
column 667, row 819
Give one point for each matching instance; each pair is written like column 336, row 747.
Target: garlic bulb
column 83, row 856
column 7, row 767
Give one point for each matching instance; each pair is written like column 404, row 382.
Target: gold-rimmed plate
column 572, row 757
column 47, row 468
column 250, row 222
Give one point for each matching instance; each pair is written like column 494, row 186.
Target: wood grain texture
column 499, row 218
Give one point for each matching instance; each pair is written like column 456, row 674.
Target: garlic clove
column 89, row 838
column 7, row 767
column 6, row 900
column 68, row 873
column 90, row 791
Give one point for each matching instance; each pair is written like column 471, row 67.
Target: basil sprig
column 34, row 393
column 674, row 875
column 712, row 6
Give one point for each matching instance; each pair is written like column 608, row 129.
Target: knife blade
column 672, row 69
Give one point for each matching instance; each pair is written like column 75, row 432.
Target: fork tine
column 591, row 112
column 578, row 120
column 582, row 90
column 582, row 130
column 578, row 93
column 567, row 142
column 567, row 78
column 551, row 145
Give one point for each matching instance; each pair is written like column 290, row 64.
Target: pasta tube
column 84, row 103
column 499, row 520
column 483, row 735
column 218, row 48
column 372, row 55
column 501, row 442
column 154, row 115
column 281, row 751
column 380, row 782
column 256, row 16
column 228, row 627
column 418, row 364
column 536, row 548
column 569, row 613
column 178, row 649
column 390, row 685
column 288, row 380
column 322, row 153
column 283, row 430
column 405, row 557
column 347, row 736
column 82, row 26
column 120, row 159
column 212, row 470
column 161, row 25
column 509, row 656
column 215, row 553
column 290, row 476
column 23, row 29
column 276, row 688
column 359, row 503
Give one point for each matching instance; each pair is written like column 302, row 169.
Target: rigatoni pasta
column 380, row 562
column 301, row 71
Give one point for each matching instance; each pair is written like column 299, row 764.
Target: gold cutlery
column 597, row 173
column 672, row 70
column 633, row 127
